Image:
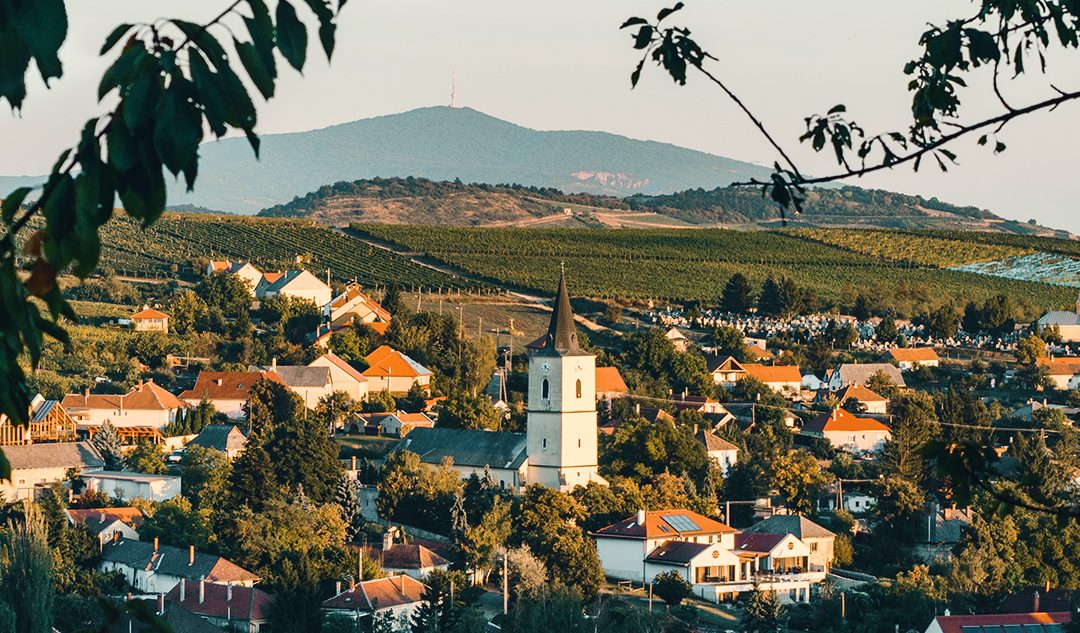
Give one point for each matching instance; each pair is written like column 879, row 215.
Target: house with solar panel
column 718, row 561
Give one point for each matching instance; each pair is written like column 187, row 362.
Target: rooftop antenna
column 453, row 99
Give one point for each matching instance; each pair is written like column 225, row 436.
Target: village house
column 758, row 353
column 311, row 384
column 35, row 467
column 226, row 390
column 783, row 379
column 723, row 452
column 298, row 284
column 225, row 438
column 154, row 568
column 945, row 527
column 353, row 306
column 1066, row 321
column 399, row 423
column 717, row 561
column 105, row 522
column 846, row 431
column 472, row 451
column 233, row 608
column 415, row 560
column 142, row 413
column 820, row 541
column 242, row 269
column 343, row 376
column 150, row 320
column 1063, row 371
column 908, row 358
column 849, row 374
column 49, row 422
column 869, row 401
column 399, row 595
column 130, row 485
column 1040, row 622
column 678, row 339
column 610, row 384
column 725, row 370
column 390, row 370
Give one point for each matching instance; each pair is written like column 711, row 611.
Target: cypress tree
column 107, row 441
column 738, row 295
column 349, row 506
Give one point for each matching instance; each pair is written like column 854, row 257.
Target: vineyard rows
column 921, row 249
column 179, row 242
column 675, row 265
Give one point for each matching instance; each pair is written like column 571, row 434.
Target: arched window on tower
column 578, row 388
column 544, row 389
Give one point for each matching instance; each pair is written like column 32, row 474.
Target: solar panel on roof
column 1013, row 628
column 682, row 523
column 1053, row 628
column 993, row 628
column 971, row 629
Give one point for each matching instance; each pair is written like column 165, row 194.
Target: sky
column 564, row 64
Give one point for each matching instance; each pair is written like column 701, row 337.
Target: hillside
column 443, row 144
column 426, row 202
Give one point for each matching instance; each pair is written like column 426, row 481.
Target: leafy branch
column 1018, row 31
column 174, row 81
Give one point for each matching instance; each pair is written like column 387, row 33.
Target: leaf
column 982, row 140
column 208, row 87
column 837, row 109
column 633, row 22
column 643, row 37
column 177, row 128
column 114, row 37
column 253, row 140
column 322, row 10
column 42, row 278
column 666, row 12
column 259, row 74
column 999, row 147
column 292, row 39
column 43, row 26
column 140, row 100
column 12, row 203
column 636, row 75
column 14, row 60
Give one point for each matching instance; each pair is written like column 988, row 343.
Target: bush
column 672, row 588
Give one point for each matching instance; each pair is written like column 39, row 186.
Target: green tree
column 800, row 480
column 943, row 322
column 886, row 331
column 304, row 454
column 107, row 442
column 379, row 402
column 413, row 492
column 334, row 410
column 729, row 341
column 349, row 506
column 270, row 405
column 763, row 612
column 672, row 587
column 205, row 474
column 177, row 522
column 147, row 458
column 479, row 543
column 393, row 301
column 738, row 294
column 253, row 482
column 913, row 423
column 225, row 292
column 882, row 384
column 548, row 522
column 25, row 573
column 1030, row 349
column 465, row 411
column 187, row 312
column 782, row 297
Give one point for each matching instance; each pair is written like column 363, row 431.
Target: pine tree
column 253, row 481
column 738, row 295
column 769, row 301
column 107, row 442
column 393, row 302
column 349, row 506
column 886, row 331
column 459, row 520
column 763, row 613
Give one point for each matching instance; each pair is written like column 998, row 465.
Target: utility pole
column 506, row 593
column 650, row 597
column 843, row 606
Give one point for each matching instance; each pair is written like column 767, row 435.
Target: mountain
column 423, row 201
column 444, row 143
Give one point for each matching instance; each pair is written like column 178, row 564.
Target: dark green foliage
column 548, row 522
column 886, row 331
column 271, row 404
column 146, row 458
column 762, row 613
column 25, row 581
column 738, row 295
column 558, row 609
column 349, row 505
column 671, row 587
column 780, row 296
column 461, row 410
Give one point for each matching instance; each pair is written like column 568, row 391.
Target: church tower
column 562, row 404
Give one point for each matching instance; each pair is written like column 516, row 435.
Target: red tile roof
column 956, row 623
column 227, row 385
column 149, row 313
column 387, row 361
column 914, row 354
column 1061, row 366
column 842, row 420
column 146, row 396
column 774, row 373
column 247, row 603
column 664, row 523
column 98, row 518
column 860, row 393
column 757, row 542
column 381, row 593
column 410, row 556
column 608, row 380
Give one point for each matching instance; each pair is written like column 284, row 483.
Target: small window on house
column 578, row 388
column 544, row 389
column 545, row 442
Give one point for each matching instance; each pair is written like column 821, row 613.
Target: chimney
column 337, row 587
column 352, row 584
column 155, row 543
column 191, row 556
column 160, row 603
column 637, row 408
column 695, row 428
column 273, row 364
column 183, row 589
column 86, row 392
column 352, row 463
column 1035, row 603
column 202, row 589
column 387, row 540
column 640, row 517
column 1047, row 586
column 228, row 592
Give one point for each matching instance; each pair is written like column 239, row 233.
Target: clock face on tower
column 578, row 367
column 545, row 367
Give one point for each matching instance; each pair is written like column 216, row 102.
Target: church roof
column 561, row 338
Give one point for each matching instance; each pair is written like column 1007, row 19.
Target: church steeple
column 561, row 338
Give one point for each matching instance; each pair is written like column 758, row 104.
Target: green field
column 695, row 264
column 922, row 249
column 180, row 245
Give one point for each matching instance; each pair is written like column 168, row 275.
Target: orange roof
column 664, row 523
column 608, row 380
column 218, row 266
column 272, row 277
column 387, row 361
column 1061, row 365
column 381, row 593
column 842, row 420
column 354, row 292
column 914, row 354
column 149, row 313
column 861, row 393
column 379, row 327
column 227, row 385
column 997, row 621
column 146, row 396
column 99, row 517
column 758, row 352
column 774, row 373
column 340, row 363
column 414, row 418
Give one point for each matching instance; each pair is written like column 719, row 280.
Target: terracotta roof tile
column 227, row 385
column 914, row 354
column 608, row 380
column 246, row 603
column 381, row 593
column 956, row 623
column 842, row 420
column 774, row 373
column 149, row 313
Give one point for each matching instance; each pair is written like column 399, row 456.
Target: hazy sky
column 563, row 64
